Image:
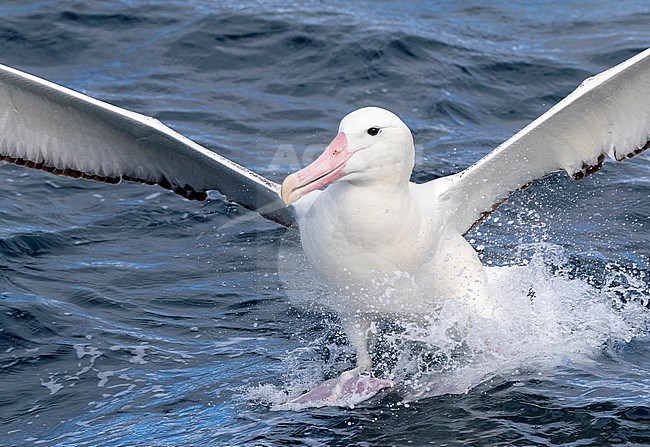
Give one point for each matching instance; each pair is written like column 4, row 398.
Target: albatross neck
column 374, row 200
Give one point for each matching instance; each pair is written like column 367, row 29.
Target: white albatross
column 371, row 229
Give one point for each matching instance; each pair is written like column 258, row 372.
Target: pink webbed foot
column 349, row 389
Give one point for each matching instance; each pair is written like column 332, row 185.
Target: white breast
column 382, row 256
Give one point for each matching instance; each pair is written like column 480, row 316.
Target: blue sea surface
column 132, row 317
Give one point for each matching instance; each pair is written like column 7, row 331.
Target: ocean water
column 129, row 316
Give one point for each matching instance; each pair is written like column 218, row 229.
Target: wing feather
column 58, row 130
column 607, row 115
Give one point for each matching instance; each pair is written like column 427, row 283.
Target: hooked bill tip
column 288, row 186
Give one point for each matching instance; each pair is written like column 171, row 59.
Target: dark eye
column 373, row 131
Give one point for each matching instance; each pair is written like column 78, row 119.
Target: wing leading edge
column 55, row 129
column 607, row 115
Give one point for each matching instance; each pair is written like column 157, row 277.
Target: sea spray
column 546, row 316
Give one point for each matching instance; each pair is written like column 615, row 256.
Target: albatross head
column 373, row 146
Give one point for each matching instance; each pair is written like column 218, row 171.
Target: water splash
column 546, row 316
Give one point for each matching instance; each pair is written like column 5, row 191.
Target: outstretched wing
column 49, row 127
column 609, row 114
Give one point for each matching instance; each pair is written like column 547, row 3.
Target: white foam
column 544, row 318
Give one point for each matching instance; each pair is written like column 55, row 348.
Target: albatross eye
column 373, row 131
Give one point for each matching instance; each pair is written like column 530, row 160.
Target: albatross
column 384, row 245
